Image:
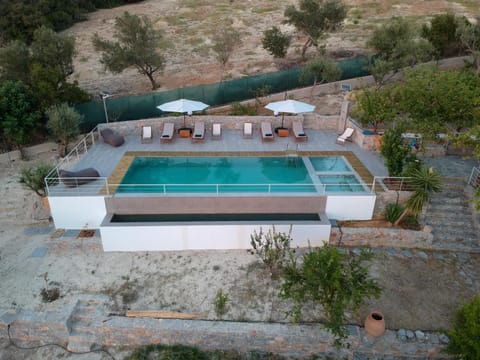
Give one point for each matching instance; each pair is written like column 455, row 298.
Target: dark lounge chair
column 77, row 178
column 111, row 137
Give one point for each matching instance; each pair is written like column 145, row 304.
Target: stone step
column 454, row 200
column 445, row 221
column 455, row 235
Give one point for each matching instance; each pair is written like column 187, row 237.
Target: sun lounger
column 346, row 136
column 266, row 131
column 167, row 132
column 77, row 178
column 248, row 130
column 198, row 131
column 147, row 135
column 111, row 137
column 298, row 132
column 217, row 131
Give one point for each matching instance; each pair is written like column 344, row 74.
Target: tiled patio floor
column 105, row 158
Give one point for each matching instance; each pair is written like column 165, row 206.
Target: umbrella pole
column 283, row 117
column 184, row 124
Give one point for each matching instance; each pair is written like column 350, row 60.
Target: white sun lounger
column 248, row 130
column 216, row 131
column 168, row 132
column 346, row 136
column 298, row 131
column 266, row 131
column 198, row 131
column 147, row 135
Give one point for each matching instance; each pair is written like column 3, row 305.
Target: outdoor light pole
column 105, row 95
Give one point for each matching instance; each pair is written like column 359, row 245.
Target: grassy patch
column 181, row 352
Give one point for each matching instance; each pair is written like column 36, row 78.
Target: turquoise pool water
column 238, row 175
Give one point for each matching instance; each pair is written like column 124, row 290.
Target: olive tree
column 397, row 44
column 322, row 70
column 138, row 45
column 63, row 124
column 314, row 18
column 225, row 41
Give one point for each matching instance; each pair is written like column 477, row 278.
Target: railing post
column 269, row 188
column 107, row 186
column 217, row 188
column 164, row 189
column 401, row 183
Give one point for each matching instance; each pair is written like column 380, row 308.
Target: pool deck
column 105, row 158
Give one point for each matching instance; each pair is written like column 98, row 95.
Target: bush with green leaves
column 272, row 247
column 465, row 335
column 33, row 178
column 394, row 151
column 336, row 280
column 241, row 110
column 276, row 42
column 220, row 303
column 393, row 212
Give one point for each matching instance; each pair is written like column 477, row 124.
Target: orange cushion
column 282, row 132
column 184, row 133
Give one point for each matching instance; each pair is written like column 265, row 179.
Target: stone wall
column 381, row 237
column 388, row 197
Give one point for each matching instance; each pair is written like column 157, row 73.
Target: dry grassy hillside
column 189, row 24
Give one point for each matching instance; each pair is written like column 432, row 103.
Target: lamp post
column 105, row 95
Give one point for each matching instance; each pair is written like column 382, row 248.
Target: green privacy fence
column 144, row 106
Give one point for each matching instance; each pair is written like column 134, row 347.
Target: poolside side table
column 184, row 133
column 282, row 132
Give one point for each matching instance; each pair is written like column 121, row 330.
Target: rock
column 420, row 335
column 422, row 255
column 402, row 335
column 410, row 335
column 406, row 253
column 443, row 339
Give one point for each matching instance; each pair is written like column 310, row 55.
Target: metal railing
column 78, row 150
column 474, row 179
column 100, row 186
column 385, row 183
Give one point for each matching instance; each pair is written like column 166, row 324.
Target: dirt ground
column 421, row 288
column 189, row 26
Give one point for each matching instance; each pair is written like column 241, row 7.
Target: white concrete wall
column 350, row 207
column 127, row 237
column 77, row 212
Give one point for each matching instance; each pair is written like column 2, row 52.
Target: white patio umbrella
column 289, row 106
column 184, row 106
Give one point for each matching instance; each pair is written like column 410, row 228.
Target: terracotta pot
column 375, row 324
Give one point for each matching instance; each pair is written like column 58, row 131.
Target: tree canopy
column 20, row 18
column 442, row 34
column 335, row 280
column 397, row 45
column 315, row 17
column 19, row 114
column 224, row 43
column 63, row 124
column 138, row 44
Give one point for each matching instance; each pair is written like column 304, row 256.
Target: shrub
column 393, row 212
column 34, row 178
column 241, row 110
column 335, row 280
column 64, row 124
column 276, row 42
column 394, row 151
column 272, row 247
column 465, row 335
column 220, row 303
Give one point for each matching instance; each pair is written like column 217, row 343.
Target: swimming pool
column 239, row 175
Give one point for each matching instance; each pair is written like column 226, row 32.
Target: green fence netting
column 145, row 106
